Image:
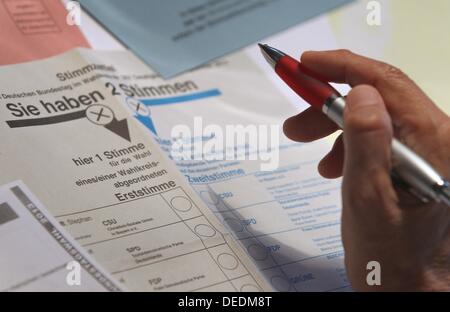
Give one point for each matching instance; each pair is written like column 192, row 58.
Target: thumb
column 367, row 139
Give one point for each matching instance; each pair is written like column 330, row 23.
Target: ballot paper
column 282, row 212
column 176, row 35
column 37, row 253
column 91, row 134
column 34, row 29
column 66, row 134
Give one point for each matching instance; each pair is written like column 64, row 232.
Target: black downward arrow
column 119, row 127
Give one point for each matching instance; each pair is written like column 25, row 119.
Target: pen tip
column 271, row 55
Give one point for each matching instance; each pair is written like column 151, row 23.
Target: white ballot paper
column 37, row 253
column 92, row 133
column 69, row 138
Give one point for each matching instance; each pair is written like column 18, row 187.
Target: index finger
column 410, row 108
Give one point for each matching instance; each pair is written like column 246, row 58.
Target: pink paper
column 34, row 29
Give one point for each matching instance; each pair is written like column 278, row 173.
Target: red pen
column 409, row 169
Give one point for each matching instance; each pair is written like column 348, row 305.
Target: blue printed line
column 181, row 98
column 296, row 196
column 266, row 234
column 301, row 260
column 249, row 174
column 340, row 288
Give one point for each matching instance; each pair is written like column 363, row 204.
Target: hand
column 410, row 240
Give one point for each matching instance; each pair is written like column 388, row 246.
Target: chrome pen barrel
column 334, row 109
column 444, row 193
column 414, row 172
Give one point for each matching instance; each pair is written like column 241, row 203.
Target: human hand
column 381, row 222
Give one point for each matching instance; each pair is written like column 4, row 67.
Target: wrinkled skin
column 380, row 222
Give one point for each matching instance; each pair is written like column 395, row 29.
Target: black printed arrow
column 119, row 127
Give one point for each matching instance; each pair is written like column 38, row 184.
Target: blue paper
column 173, row 36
